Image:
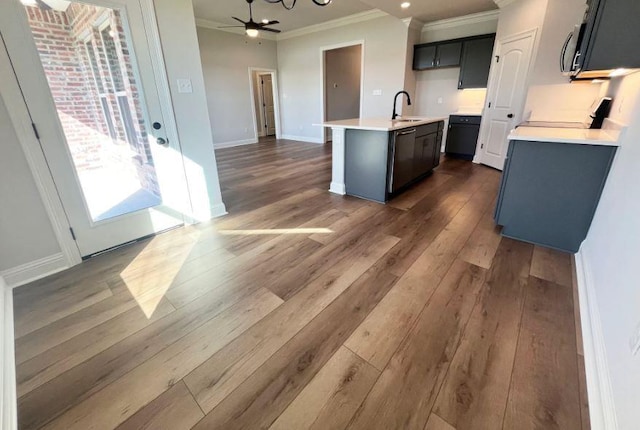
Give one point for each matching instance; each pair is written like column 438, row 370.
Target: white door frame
column 492, row 82
column 21, row 120
column 276, row 98
column 323, row 49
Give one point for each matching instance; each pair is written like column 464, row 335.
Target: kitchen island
column 376, row 159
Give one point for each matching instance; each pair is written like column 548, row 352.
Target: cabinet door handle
column 407, row 132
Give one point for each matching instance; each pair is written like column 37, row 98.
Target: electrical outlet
column 634, row 342
column 184, row 86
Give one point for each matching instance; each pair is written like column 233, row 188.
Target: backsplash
column 625, row 92
column 564, row 102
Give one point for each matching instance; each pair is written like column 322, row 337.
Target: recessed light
column 265, row 21
column 405, row 5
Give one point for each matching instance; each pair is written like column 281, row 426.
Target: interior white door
column 90, row 72
column 268, row 104
column 506, row 96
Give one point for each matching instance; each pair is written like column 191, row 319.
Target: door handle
column 407, row 132
column 510, row 115
column 162, row 141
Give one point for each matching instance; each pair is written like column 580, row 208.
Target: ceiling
column 306, row 13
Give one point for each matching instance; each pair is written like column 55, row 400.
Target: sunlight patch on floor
column 276, row 231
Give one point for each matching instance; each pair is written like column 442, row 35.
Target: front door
column 506, row 96
column 89, row 73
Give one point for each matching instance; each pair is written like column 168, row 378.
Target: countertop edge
column 607, row 140
column 377, row 128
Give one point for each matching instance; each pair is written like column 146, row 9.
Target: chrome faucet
column 395, row 101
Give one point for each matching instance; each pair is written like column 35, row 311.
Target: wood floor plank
column 409, row 198
column 483, row 242
column 406, row 390
column 44, row 403
column 224, row 372
column 33, row 373
column 262, row 397
column 474, row 393
column 381, row 333
column 545, row 390
column 551, row 265
column 437, row 423
column 333, row 395
column 175, row 409
column 118, row 401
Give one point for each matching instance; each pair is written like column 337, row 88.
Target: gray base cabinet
column 550, row 191
column 379, row 165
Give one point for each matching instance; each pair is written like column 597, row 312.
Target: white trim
column 338, row 183
column 323, row 90
column 8, row 399
column 475, row 18
column 413, row 23
column 503, row 3
column 303, row 138
column 28, row 272
column 347, row 20
column 213, row 25
column 276, row 99
column 21, row 120
column 233, row 143
column 218, row 210
column 601, row 404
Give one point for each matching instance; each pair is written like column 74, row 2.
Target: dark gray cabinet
column 476, row 62
column 611, row 36
column 379, row 165
column 436, row 55
column 550, row 191
column 462, row 136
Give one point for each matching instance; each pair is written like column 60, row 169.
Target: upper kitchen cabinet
column 472, row 54
column 610, row 39
column 435, row 55
column 476, row 62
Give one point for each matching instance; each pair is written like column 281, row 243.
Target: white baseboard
column 8, row 400
column 601, row 404
column 338, row 188
column 218, row 210
column 308, row 139
column 34, row 270
column 234, row 143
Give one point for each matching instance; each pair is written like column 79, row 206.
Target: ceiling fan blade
column 232, row 26
column 270, row 23
column 239, row 20
column 272, row 30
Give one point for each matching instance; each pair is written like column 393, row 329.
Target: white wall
column 299, row 62
column 182, row 60
column 26, row 234
column 226, row 58
column 611, row 253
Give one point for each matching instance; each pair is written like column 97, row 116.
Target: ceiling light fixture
column 291, row 3
column 265, row 21
column 252, row 32
column 405, row 5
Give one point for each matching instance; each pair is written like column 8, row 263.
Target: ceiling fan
column 253, row 28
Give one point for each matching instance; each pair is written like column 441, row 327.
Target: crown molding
column 475, row 18
column 413, row 23
column 213, row 25
column 503, row 3
column 347, row 20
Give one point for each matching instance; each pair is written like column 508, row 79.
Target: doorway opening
column 87, row 63
column 342, row 68
column 265, row 106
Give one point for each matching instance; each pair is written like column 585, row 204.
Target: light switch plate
column 184, row 86
column 377, row 92
column 634, row 342
column 440, row 100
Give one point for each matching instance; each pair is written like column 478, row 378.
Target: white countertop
column 380, row 124
column 567, row 135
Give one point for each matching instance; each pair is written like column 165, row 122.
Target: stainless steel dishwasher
column 401, row 172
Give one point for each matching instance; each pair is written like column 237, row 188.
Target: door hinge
column 73, row 235
column 35, row 131
column 489, row 104
column 497, row 58
column 482, row 146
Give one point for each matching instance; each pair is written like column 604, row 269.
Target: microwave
column 570, row 54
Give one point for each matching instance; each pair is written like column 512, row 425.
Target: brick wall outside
column 60, row 38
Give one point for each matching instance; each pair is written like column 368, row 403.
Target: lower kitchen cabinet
column 462, row 136
column 550, row 191
column 380, row 165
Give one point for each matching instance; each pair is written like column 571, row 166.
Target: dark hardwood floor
column 306, row 310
